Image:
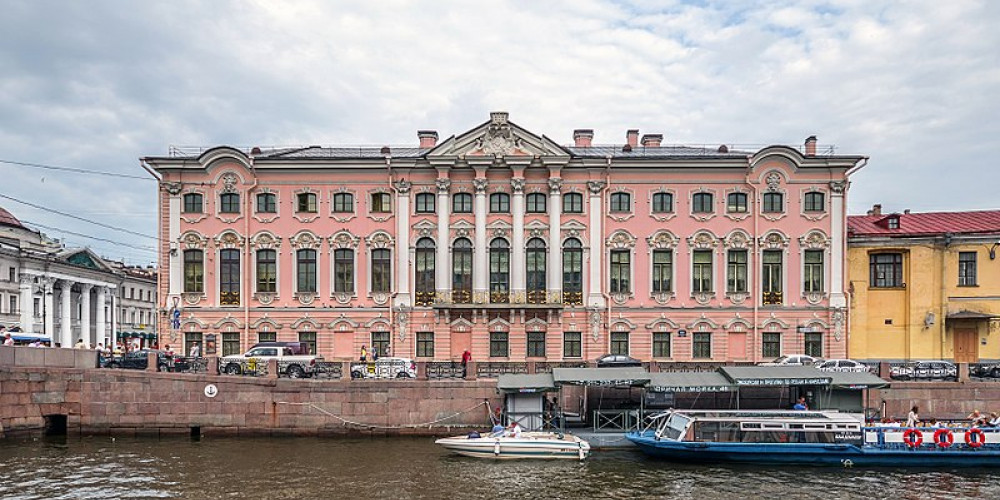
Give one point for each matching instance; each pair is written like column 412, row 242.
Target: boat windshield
column 675, row 426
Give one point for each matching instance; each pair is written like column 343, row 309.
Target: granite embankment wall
column 126, row 402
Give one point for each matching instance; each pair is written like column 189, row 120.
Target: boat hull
column 531, row 446
column 841, row 455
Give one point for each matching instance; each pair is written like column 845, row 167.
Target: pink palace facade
column 505, row 243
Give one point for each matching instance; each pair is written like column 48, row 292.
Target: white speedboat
column 546, row 445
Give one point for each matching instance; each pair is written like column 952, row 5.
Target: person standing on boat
column 514, row 430
column 801, row 404
column 913, row 419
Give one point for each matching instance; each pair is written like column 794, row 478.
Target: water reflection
column 410, row 468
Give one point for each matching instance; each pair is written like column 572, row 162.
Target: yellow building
column 924, row 286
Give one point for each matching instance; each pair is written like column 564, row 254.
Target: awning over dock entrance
column 689, row 382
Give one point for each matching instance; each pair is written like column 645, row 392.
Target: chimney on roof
column 723, row 149
column 255, row 151
column 632, row 137
column 583, row 137
column 906, row 211
column 876, row 209
column 811, row 145
column 652, row 140
column 428, row 138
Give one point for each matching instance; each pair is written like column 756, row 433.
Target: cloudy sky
column 98, row 84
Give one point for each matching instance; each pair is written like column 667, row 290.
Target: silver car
column 843, row 365
column 388, row 367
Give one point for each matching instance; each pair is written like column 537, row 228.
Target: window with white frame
column 663, row 271
column 305, row 271
column 701, row 271
column 736, row 272
column 812, row 272
column 621, row 271
column 621, row 202
column 425, row 203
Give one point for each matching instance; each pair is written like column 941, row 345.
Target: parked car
column 139, row 360
column 617, row 360
column 793, row 360
column 387, row 367
column 925, row 370
column 298, row 348
column 843, row 365
column 294, row 365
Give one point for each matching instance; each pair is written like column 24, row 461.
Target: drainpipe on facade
column 605, row 264
column 400, row 247
column 753, row 238
column 246, row 256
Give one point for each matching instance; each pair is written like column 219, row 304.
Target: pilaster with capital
column 517, row 256
column 402, row 250
column 596, row 210
column 480, row 278
column 441, row 261
column 27, row 289
column 555, row 245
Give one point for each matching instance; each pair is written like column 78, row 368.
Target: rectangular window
column 193, row 203
column 229, row 277
column 267, row 203
column 814, row 202
column 12, row 274
column 267, row 337
column 461, row 203
column 663, row 203
column 499, row 203
column 194, row 271
column 380, row 203
column 771, row 345
column 425, row 344
column 343, row 203
column 771, row 277
column 267, row 271
column 736, row 203
column 573, row 203
column 663, row 271
column 229, row 203
column 736, row 272
column 499, row 344
column 536, row 344
column 773, row 203
column 381, row 270
column 343, row 271
column 13, row 305
column 306, row 203
column 231, row 344
column 661, row 344
column 701, row 271
column 702, row 345
column 572, row 344
column 380, row 342
column 621, row 202
column 701, row 203
column 621, row 274
column 814, row 345
column 536, row 203
column 192, row 339
column 619, row 343
column 812, row 272
column 966, row 268
column 306, row 271
column 309, row 338
column 425, row 203
column 885, row 270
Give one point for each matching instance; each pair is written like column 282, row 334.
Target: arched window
column 499, row 203
column 701, row 203
column 814, row 202
column 573, row 272
column 573, row 203
column 461, row 203
column 343, row 270
column 773, row 203
column 425, row 203
column 499, row 271
column 663, row 203
column 305, row 271
column 194, row 271
column 424, row 274
column 229, row 203
column 267, row 271
column 267, row 203
column 535, row 263
column 229, row 277
column 536, row 203
column 736, row 203
column 192, row 203
column 461, row 271
column 621, row 202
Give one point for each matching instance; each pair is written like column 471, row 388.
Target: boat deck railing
column 931, row 438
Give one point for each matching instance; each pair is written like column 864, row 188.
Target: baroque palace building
column 505, row 243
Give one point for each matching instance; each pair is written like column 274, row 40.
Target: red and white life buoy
column 975, row 438
column 944, row 438
column 913, row 438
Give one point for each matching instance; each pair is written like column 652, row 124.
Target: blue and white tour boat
column 811, row 438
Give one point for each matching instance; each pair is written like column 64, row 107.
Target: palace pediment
column 498, row 137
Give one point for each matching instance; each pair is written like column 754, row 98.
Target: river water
column 414, row 468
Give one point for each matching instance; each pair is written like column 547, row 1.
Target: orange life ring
column 944, row 438
column 913, row 438
column 978, row 441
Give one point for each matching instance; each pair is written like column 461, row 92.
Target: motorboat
column 542, row 445
column 811, row 438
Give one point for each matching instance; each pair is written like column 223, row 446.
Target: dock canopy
column 603, row 377
column 771, row 376
column 689, row 382
column 857, row 380
column 538, row 382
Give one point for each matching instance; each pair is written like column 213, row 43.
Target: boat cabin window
column 675, row 426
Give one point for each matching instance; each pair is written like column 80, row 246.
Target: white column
column 49, row 309
column 85, row 330
column 837, row 297
column 555, row 245
column 175, row 273
column 66, row 321
column 517, row 269
column 27, row 289
column 100, row 321
column 442, row 283
column 403, row 243
column 596, row 211
column 480, row 272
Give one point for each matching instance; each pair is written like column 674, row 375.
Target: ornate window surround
column 703, row 240
column 380, row 217
column 815, row 240
column 738, row 216
column 265, row 240
column 380, row 240
column 343, row 240
column 266, row 217
column 703, row 217
column 306, row 217
column 231, row 183
column 193, row 240
column 663, row 240
column 664, row 216
column 739, row 239
column 621, row 239
column 575, row 189
column 775, row 179
column 193, row 218
column 814, row 216
column 344, row 217
column 225, row 241
column 621, row 216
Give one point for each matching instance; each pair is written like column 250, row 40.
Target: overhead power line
column 76, row 170
column 64, row 214
column 96, row 238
